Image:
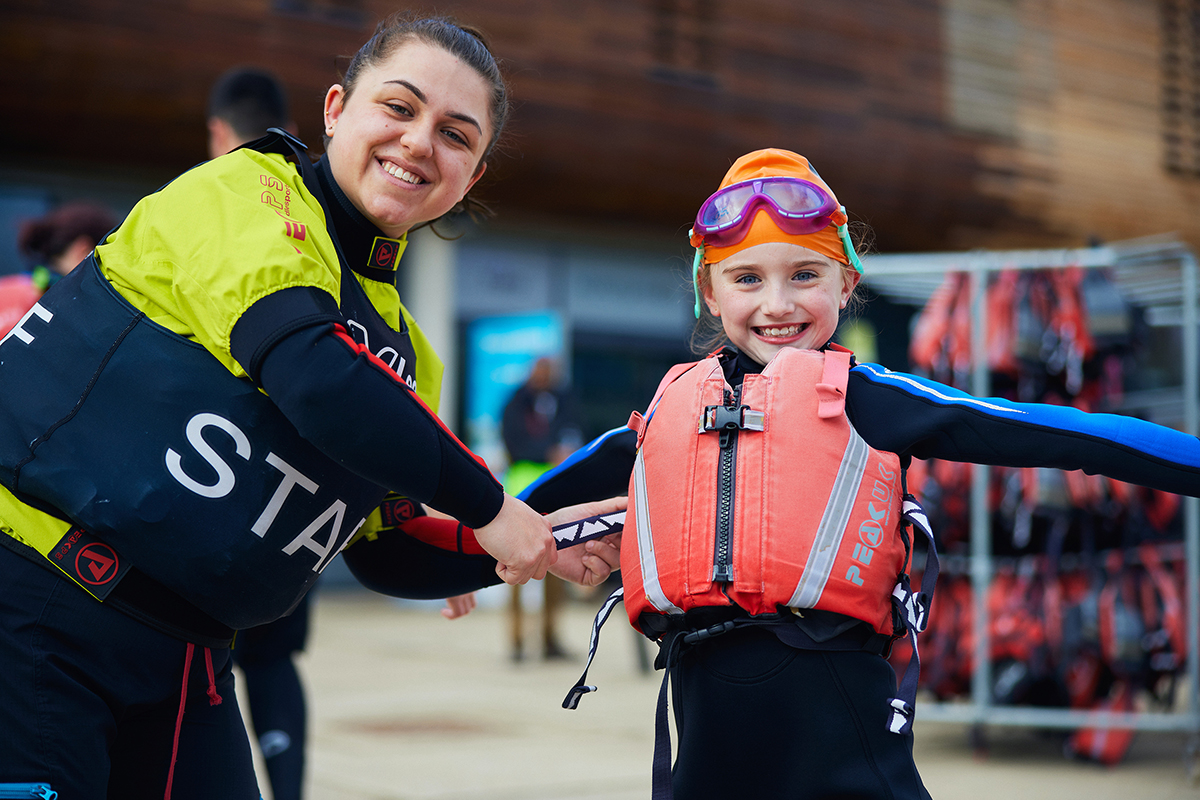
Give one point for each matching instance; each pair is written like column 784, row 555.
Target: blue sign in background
column 500, row 351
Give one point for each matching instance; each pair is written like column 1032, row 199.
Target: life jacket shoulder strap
column 831, row 391
column 638, row 422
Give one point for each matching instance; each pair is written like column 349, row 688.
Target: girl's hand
column 592, row 562
column 459, row 606
column 520, row 540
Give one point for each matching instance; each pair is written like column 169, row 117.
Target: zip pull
column 38, row 790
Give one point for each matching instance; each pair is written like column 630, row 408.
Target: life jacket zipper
column 726, row 475
column 27, row 790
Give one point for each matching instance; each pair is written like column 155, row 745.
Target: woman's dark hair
column 49, row 236
column 466, row 43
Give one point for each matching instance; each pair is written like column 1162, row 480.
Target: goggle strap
column 696, row 276
column 844, row 234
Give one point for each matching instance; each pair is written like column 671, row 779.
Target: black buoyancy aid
column 146, row 441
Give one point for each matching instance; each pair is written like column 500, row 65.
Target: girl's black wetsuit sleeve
column 357, row 411
column 913, row 416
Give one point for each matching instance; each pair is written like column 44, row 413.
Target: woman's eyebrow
column 467, row 118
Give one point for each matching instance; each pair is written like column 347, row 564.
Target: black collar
column 737, row 364
column 368, row 250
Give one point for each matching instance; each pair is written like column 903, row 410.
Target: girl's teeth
column 791, row 330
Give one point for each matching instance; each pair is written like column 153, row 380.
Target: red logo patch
column 97, row 564
column 385, row 253
column 395, row 513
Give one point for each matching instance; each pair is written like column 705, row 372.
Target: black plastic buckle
column 719, row 417
column 709, row 632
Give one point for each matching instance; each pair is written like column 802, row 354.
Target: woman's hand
column 593, row 561
column 459, row 605
column 519, row 539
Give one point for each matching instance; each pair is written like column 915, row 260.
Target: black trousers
column 758, row 718
column 91, row 700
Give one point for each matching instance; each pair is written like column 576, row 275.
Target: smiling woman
column 409, row 130
column 257, row 399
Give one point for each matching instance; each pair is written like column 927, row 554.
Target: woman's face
column 407, row 144
column 778, row 295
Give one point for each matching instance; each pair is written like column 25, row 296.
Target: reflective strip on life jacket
column 650, row 582
column 834, row 522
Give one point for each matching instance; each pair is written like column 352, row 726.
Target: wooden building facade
column 944, row 124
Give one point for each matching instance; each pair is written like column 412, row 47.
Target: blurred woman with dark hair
column 55, row 243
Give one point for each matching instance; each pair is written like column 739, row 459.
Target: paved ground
column 405, row 705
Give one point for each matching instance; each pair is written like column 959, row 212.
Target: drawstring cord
column 214, row 699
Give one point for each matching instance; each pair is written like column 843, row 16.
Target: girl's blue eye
column 746, row 279
column 456, row 137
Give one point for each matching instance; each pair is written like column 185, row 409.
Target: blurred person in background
column 223, row 397
column 540, row 427
column 55, row 243
column 243, row 104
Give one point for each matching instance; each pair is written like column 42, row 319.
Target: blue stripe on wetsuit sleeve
column 598, row 470
column 914, row 416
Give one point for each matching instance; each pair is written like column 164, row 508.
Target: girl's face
column 407, row 143
column 777, row 295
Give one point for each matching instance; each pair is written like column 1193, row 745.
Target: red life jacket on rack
column 18, row 293
column 763, row 496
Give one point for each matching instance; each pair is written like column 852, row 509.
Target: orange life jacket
column 763, row 496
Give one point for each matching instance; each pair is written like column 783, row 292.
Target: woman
column 56, row 242
column 214, row 404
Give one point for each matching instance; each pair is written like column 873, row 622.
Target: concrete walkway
column 405, row 705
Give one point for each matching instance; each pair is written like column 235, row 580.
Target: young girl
column 803, row 706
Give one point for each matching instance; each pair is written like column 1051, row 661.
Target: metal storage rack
column 1159, row 274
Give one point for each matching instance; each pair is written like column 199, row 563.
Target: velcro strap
column 637, row 423
column 831, row 391
column 913, row 607
column 570, row 534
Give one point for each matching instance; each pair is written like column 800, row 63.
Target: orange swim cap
column 774, row 163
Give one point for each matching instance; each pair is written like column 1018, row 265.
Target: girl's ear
column 852, row 277
column 707, row 293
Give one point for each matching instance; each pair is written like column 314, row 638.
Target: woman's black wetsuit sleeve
column 356, row 410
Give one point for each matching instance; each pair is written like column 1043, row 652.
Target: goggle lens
column 725, row 208
column 799, row 205
column 797, row 199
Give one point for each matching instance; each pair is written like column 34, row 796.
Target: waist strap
column 149, row 602
column 677, row 633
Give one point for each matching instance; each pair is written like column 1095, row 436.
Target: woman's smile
column 408, row 142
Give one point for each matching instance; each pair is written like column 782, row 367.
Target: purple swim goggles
column 797, row 206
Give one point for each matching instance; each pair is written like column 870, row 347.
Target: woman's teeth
column 404, row 175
